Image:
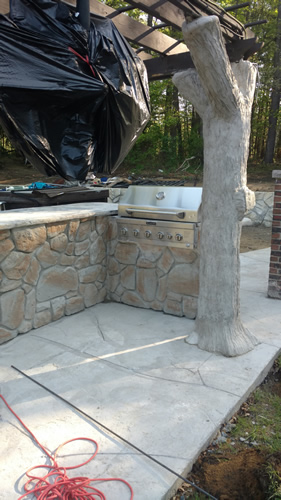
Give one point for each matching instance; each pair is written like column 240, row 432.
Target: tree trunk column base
column 229, row 340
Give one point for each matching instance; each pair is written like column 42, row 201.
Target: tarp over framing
column 70, row 100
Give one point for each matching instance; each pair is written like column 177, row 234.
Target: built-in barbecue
column 161, row 215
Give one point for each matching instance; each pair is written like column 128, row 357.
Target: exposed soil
column 244, row 471
column 255, row 238
column 231, row 477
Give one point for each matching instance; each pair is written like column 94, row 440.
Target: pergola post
column 222, row 94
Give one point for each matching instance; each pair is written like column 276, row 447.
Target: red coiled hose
column 55, row 484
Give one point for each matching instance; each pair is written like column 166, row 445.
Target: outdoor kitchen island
column 57, row 261
column 53, row 262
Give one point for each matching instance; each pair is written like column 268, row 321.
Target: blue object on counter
column 40, row 185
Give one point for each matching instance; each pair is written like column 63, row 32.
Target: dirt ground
column 255, row 238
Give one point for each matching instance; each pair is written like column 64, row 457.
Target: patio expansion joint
column 87, row 356
column 210, row 386
column 256, row 292
column 138, row 373
column 99, row 327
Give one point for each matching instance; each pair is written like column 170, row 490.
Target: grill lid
column 162, row 202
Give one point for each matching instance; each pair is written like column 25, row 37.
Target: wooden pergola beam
column 136, row 32
column 161, row 9
column 173, row 12
column 164, row 67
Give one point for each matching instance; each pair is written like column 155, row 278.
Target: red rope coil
column 55, row 484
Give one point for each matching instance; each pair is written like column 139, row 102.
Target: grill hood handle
column 130, row 211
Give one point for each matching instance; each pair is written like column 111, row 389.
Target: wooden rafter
column 136, row 32
column 164, row 67
column 173, row 54
column 173, row 12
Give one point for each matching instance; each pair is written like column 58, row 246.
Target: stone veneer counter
column 56, row 261
column 53, row 262
column 30, row 216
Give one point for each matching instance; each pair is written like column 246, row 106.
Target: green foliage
column 6, row 148
column 274, row 490
column 267, row 33
column 170, row 137
column 262, row 421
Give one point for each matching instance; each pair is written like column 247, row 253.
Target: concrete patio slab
column 131, row 370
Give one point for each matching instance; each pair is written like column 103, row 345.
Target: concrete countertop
column 42, row 215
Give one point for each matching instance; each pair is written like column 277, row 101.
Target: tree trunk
column 222, row 95
column 275, row 95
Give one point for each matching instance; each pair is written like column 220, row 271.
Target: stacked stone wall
column 153, row 277
column 261, row 214
column 50, row 270
column 274, row 283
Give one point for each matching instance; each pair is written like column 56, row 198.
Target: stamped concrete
column 130, row 369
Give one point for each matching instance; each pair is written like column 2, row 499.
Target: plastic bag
column 71, row 101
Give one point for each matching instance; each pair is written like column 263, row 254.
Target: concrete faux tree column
column 222, row 94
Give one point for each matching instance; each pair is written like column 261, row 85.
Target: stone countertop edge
column 41, row 215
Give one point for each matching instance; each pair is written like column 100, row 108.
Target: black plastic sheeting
column 71, row 101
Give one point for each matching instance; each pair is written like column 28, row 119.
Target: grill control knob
column 124, row 231
column 169, row 236
column 179, row 237
column 136, row 232
column 160, row 235
column 147, row 234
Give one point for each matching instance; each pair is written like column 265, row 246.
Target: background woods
column 172, row 139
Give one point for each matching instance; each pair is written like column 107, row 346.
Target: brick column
column 274, row 282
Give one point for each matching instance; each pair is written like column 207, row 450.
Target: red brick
column 274, row 259
column 276, row 223
column 275, row 270
column 274, row 246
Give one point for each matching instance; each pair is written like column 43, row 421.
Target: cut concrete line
column 112, row 354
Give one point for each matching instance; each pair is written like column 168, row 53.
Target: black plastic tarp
column 70, row 100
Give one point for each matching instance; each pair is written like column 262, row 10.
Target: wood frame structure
column 164, row 55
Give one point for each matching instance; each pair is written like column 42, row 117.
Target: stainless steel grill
column 164, row 215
